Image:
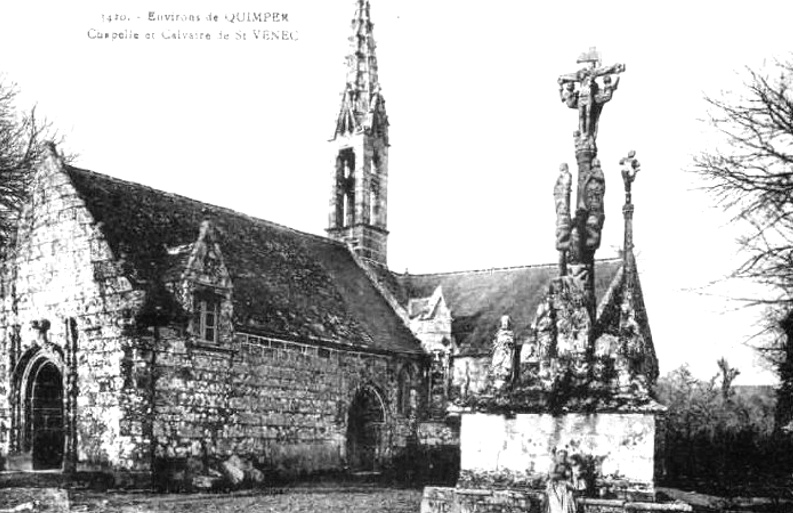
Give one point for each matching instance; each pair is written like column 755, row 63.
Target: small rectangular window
column 205, row 322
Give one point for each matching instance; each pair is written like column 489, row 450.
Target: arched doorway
column 365, row 424
column 44, row 429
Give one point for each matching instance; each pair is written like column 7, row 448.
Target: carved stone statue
column 544, row 329
column 598, row 98
column 42, row 327
column 568, row 94
column 561, row 193
column 503, row 354
column 630, row 166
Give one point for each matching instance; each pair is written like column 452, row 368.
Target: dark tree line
column 714, row 440
column 751, row 176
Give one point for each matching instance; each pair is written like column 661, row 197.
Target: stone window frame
column 203, row 298
column 406, row 390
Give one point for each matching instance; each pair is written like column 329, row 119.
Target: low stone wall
column 462, row 500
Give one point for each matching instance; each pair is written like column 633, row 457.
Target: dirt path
column 290, row 500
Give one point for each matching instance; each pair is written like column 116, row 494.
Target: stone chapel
column 143, row 331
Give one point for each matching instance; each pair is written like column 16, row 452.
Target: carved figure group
column 572, row 319
column 592, row 188
column 589, row 208
column 590, row 97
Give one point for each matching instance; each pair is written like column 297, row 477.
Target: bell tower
column 359, row 174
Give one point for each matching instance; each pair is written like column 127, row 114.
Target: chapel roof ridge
column 504, row 268
column 223, row 209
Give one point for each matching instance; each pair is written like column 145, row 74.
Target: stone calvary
column 565, row 420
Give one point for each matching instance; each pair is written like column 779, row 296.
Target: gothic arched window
column 405, row 391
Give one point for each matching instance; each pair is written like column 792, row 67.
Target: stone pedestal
column 616, row 450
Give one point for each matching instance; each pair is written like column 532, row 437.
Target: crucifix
column 590, row 97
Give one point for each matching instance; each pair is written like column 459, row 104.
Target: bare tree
column 751, row 177
column 23, row 140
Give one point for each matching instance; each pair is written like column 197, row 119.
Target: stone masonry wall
column 283, row 405
column 192, row 396
column 62, row 270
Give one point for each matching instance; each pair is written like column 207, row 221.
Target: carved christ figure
column 589, row 98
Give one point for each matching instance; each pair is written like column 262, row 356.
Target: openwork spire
column 362, row 61
column 363, row 107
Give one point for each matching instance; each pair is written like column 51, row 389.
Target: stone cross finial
column 591, row 56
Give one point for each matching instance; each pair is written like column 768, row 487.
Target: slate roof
column 478, row 299
column 286, row 283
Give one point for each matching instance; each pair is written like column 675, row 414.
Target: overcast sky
column 477, row 129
